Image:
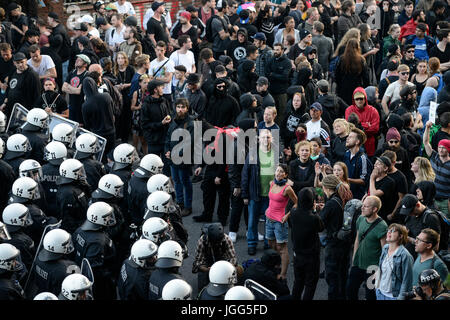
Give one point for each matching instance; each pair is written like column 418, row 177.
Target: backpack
column 147, row 45
column 352, row 210
column 116, row 97
column 332, row 66
column 444, row 225
column 209, row 33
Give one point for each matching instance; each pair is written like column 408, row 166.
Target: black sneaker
column 202, row 218
column 252, row 251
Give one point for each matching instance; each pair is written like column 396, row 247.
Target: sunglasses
column 404, row 73
column 220, row 87
column 410, row 51
column 393, row 141
column 356, row 99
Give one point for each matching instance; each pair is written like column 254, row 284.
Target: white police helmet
column 55, row 152
column 124, row 155
column 150, row 164
column 156, row 230
column 159, row 182
column 25, row 188
column 76, row 287
column 63, row 132
column 57, row 243
column 16, row 216
column 32, row 169
column 222, row 276
column 170, row 254
column 177, row 289
column 4, row 234
column 71, row 170
column 3, row 122
column 99, row 214
column 109, row 186
column 239, row 293
column 158, row 204
column 45, row 296
column 142, row 252
column 9, row 258
column 86, row 145
column 17, row 145
column 38, row 117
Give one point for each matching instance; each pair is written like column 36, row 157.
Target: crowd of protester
column 350, row 103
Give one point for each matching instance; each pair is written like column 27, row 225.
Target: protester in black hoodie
column 221, row 72
column 237, row 49
column 295, row 114
column 301, row 170
column 85, row 47
column 247, row 76
column 250, row 109
column 333, row 106
column 222, row 109
column 303, row 77
column 426, row 191
column 98, row 112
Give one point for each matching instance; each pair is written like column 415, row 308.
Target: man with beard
column 131, row 46
column 183, row 27
column 407, row 102
column 393, row 90
column 156, row 117
column 181, row 171
column 278, row 71
column 393, row 140
column 222, row 109
column 349, row 19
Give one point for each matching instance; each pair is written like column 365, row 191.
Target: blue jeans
column 381, row 296
column 65, row 66
column 183, row 185
column 255, row 210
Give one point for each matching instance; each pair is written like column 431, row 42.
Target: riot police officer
column 125, row 158
column 26, row 191
column 45, row 296
column 10, row 263
column 239, row 293
column 158, row 205
column 65, row 134
column 76, row 287
column 35, row 130
column 110, row 190
column 54, row 153
column 7, row 176
column 33, row 169
column 17, row 150
column 53, row 264
column 150, row 165
column 16, row 218
column 170, row 259
column 177, row 289
column 3, row 123
column 73, row 194
column 132, row 283
column 87, row 147
column 160, row 182
column 93, row 243
column 222, row 277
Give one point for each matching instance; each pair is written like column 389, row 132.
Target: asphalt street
column 194, row 229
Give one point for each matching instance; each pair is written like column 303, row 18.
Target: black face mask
column 220, row 93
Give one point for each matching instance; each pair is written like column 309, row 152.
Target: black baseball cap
column 154, row 84
column 19, row 56
column 409, row 201
column 81, row 27
column 385, row 160
column 156, row 5
column 262, row 81
column 53, row 15
column 193, row 78
column 191, row 8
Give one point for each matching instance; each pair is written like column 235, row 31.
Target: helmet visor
column 35, row 174
column 85, row 294
column 26, row 219
column 68, row 246
column 80, row 174
column 4, row 234
column 109, row 219
column 35, row 193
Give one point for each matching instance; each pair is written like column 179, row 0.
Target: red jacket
column 409, row 28
column 369, row 119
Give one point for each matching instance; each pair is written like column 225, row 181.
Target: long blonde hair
column 426, row 172
column 352, row 33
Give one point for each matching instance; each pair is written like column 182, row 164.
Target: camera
column 417, row 291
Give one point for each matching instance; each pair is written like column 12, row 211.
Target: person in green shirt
column 370, row 239
column 427, row 258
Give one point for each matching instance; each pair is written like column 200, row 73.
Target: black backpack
column 444, row 224
column 147, row 45
column 352, row 210
column 209, row 33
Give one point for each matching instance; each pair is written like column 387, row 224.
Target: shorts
column 277, row 231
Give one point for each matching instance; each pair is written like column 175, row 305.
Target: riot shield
column 101, row 143
column 17, row 119
column 56, row 119
column 86, row 270
column 260, row 292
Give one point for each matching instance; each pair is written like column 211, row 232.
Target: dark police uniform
column 133, row 281
column 38, row 140
column 50, row 174
column 94, row 170
column 158, row 280
column 23, row 242
column 7, row 176
column 10, row 290
column 124, row 175
column 137, row 195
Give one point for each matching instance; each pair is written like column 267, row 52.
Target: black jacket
column 98, row 113
column 158, row 280
column 132, row 283
column 222, row 109
column 60, row 41
column 266, row 277
column 333, row 108
column 278, row 71
column 305, row 231
column 38, row 140
column 185, row 124
column 338, row 149
column 7, row 176
column 246, row 78
column 302, row 174
column 332, row 216
column 153, row 111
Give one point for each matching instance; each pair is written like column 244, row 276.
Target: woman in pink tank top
column 277, row 230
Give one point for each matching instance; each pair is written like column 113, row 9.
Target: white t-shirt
column 393, row 90
column 168, row 67
column 313, row 129
column 127, row 8
column 186, row 60
column 95, row 33
column 116, row 37
column 387, row 266
column 46, row 63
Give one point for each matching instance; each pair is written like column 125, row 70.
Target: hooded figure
column 428, row 189
column 316, row 67
column 98, row 114
column 247, row 76
column 429, row 94
column 250, row 108
column 369, row 119
column 237, row 50
column 444, row 95
column 303, row 77
column 222, row 109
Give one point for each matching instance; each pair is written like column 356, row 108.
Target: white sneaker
column 260, row 237
column 232, row 236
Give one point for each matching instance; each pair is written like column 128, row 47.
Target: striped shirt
column 442, row 171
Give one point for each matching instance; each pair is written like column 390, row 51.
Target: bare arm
column 356, row 181
column 152, row 38
column 50, row 73
column 167, row 78
column 133, row 102
column 372, row 189
column 223, row 35
column 384, row 104
column 383, row 241
column 426, row 139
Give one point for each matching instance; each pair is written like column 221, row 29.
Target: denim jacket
column 402, row 272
